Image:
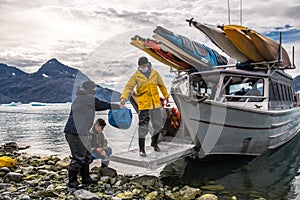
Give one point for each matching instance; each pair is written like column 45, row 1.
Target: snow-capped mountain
column 54, row 82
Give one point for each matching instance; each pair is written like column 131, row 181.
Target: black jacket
column 82, row 113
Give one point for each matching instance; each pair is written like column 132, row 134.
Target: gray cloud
column 92, row 34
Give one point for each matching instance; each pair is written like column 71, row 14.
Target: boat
column 194, row 53
column 229, row 111
column 219, row 38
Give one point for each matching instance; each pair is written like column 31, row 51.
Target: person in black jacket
column 77, row 129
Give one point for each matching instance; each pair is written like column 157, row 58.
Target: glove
column 122, row 102
column 167, row 101
column 164, row 102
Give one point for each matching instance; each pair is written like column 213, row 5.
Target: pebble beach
column 24, row 177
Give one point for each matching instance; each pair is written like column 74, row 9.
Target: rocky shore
column 26, row 177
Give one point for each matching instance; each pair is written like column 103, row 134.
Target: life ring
column 175, row 118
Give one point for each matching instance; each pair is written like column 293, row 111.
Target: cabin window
column 282, row 93
column 275, row 89
column 284, row 97
column 237, row 88
column 271, row 92
column 204, row 87
column 290, row 98
column 279, row 91
column 291, row 93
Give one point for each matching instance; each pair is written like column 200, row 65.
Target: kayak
column 194, row 53
column 269, row 48
column 218, row 37
column 243, row 42
column 177, row 62
column 139, row 42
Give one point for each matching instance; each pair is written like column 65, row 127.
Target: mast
column 280, row 48
column 241, row 12
column 228, row 5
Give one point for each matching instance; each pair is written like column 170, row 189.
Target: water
column 274, row 175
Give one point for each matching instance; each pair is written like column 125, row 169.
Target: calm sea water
column 274, row 175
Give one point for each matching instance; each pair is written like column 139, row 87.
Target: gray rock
column 4, row 169
column 106, row 186
column 4, row 185
column 27, row 170
column 107, row 171
column 13, row 176
column 105, row 179
column 25, row 197
column 85, row 195
column 208, row 197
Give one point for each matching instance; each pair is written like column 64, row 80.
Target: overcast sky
column 94, row 36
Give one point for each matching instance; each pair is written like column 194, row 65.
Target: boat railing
column 263, row 65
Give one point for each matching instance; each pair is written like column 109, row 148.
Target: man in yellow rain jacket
column 147, row 81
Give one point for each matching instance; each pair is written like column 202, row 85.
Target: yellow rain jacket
column 146, row 89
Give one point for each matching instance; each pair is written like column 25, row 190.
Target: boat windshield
column 205, row 85
column 239, row 88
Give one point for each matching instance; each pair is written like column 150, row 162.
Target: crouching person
column 100, row 150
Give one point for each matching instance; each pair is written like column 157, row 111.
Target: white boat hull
column 223, row 129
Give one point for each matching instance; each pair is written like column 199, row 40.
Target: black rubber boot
column 142, row 147
column 73, row 183
column 104, row 163
column 154, row 140
column 85, row 174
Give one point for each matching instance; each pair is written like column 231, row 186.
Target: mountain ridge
column 54, row 82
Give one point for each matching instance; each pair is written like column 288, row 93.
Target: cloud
column 73, row 31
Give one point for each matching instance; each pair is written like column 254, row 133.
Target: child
column 100, row 150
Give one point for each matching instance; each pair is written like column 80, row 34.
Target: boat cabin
column 252, row 89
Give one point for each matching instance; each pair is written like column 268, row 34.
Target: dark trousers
column 80, row 146
column 145, row 116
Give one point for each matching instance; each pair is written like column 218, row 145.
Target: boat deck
column 170, row 151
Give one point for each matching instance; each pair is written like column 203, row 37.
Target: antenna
column 228, row 4
column 241, row 12
column 280, row 48
column 293, row 56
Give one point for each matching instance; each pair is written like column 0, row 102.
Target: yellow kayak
column 139, row 42
column 269, row 48
column 218, row 37
column 242, row 41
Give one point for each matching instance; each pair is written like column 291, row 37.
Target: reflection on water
column 39, row 127
column 272, row 176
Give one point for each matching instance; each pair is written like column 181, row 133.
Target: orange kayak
column 139, row 42
column 152, row 48
column 180, row 64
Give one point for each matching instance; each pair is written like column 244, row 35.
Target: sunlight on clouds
column 94, row 35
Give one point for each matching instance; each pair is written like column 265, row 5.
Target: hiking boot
column 73, row 183
column 85, row 174
column 156, row 148
column 142, row 147
column 143, row 154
